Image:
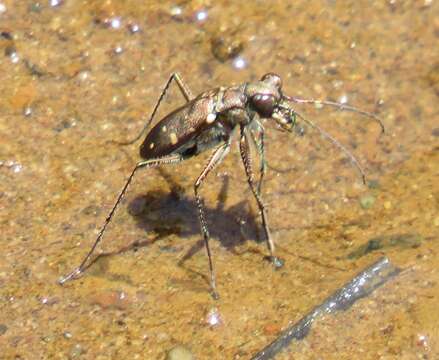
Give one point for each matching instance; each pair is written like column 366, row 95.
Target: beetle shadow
column 173, row 213
column 168, row 213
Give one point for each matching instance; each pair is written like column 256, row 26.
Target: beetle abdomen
column 178, row 128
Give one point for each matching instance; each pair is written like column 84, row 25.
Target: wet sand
column 75, row 75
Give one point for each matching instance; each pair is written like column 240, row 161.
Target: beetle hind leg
column 85, row 263
column 217, row 156
column 185, row 91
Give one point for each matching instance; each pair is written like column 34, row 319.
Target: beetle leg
column 258, row 140
column 217, row 156
column 247, row 161
column 147, row 163
column 184, row 89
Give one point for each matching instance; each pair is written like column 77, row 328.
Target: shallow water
column 76, row 75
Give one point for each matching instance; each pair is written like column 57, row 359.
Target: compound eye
column 264, row 104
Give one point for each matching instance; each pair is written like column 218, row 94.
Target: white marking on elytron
column 210, row 118
column 164, row 129
column 151, row 146
column 173, row 137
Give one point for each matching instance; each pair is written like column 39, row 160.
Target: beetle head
column 265, row 94
column 267, row 100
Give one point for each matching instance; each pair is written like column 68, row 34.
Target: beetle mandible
column 208, row 122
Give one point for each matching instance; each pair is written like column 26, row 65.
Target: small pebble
column 15, row 167
column 6, row 35
column 118, row 50
column 83, row 75
column 48, row 338
column 76, row 351
column 179, row 352
column 49, row 300
column 373, row 184
column 367, row 201
column 422, row 341
column 111, row 300
column 133, row 28
column 387, row 205
column 226, row 47
column 427, row 3
column 35, row 7
column 271, row 329
column 176, row 11
column 14, row 57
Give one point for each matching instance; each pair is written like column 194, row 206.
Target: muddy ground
column 75, row 75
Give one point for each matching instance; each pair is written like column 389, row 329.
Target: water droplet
column 115, row 22
column 14, row 57
column 54, row 3
column 84, row 75
column 214, row 317
column 343, row 99
column 14, row 166
column 318, row 105
column 17, row 168
column 277, row 262
column 422, row 340
column 118, row 50
column 27, row 111
column 239, row 63
column 201, row 15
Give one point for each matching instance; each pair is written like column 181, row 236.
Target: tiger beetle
column 209, row 121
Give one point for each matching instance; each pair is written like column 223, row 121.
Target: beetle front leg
column 246, row 159
column 217, row 156
column 260, row 147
